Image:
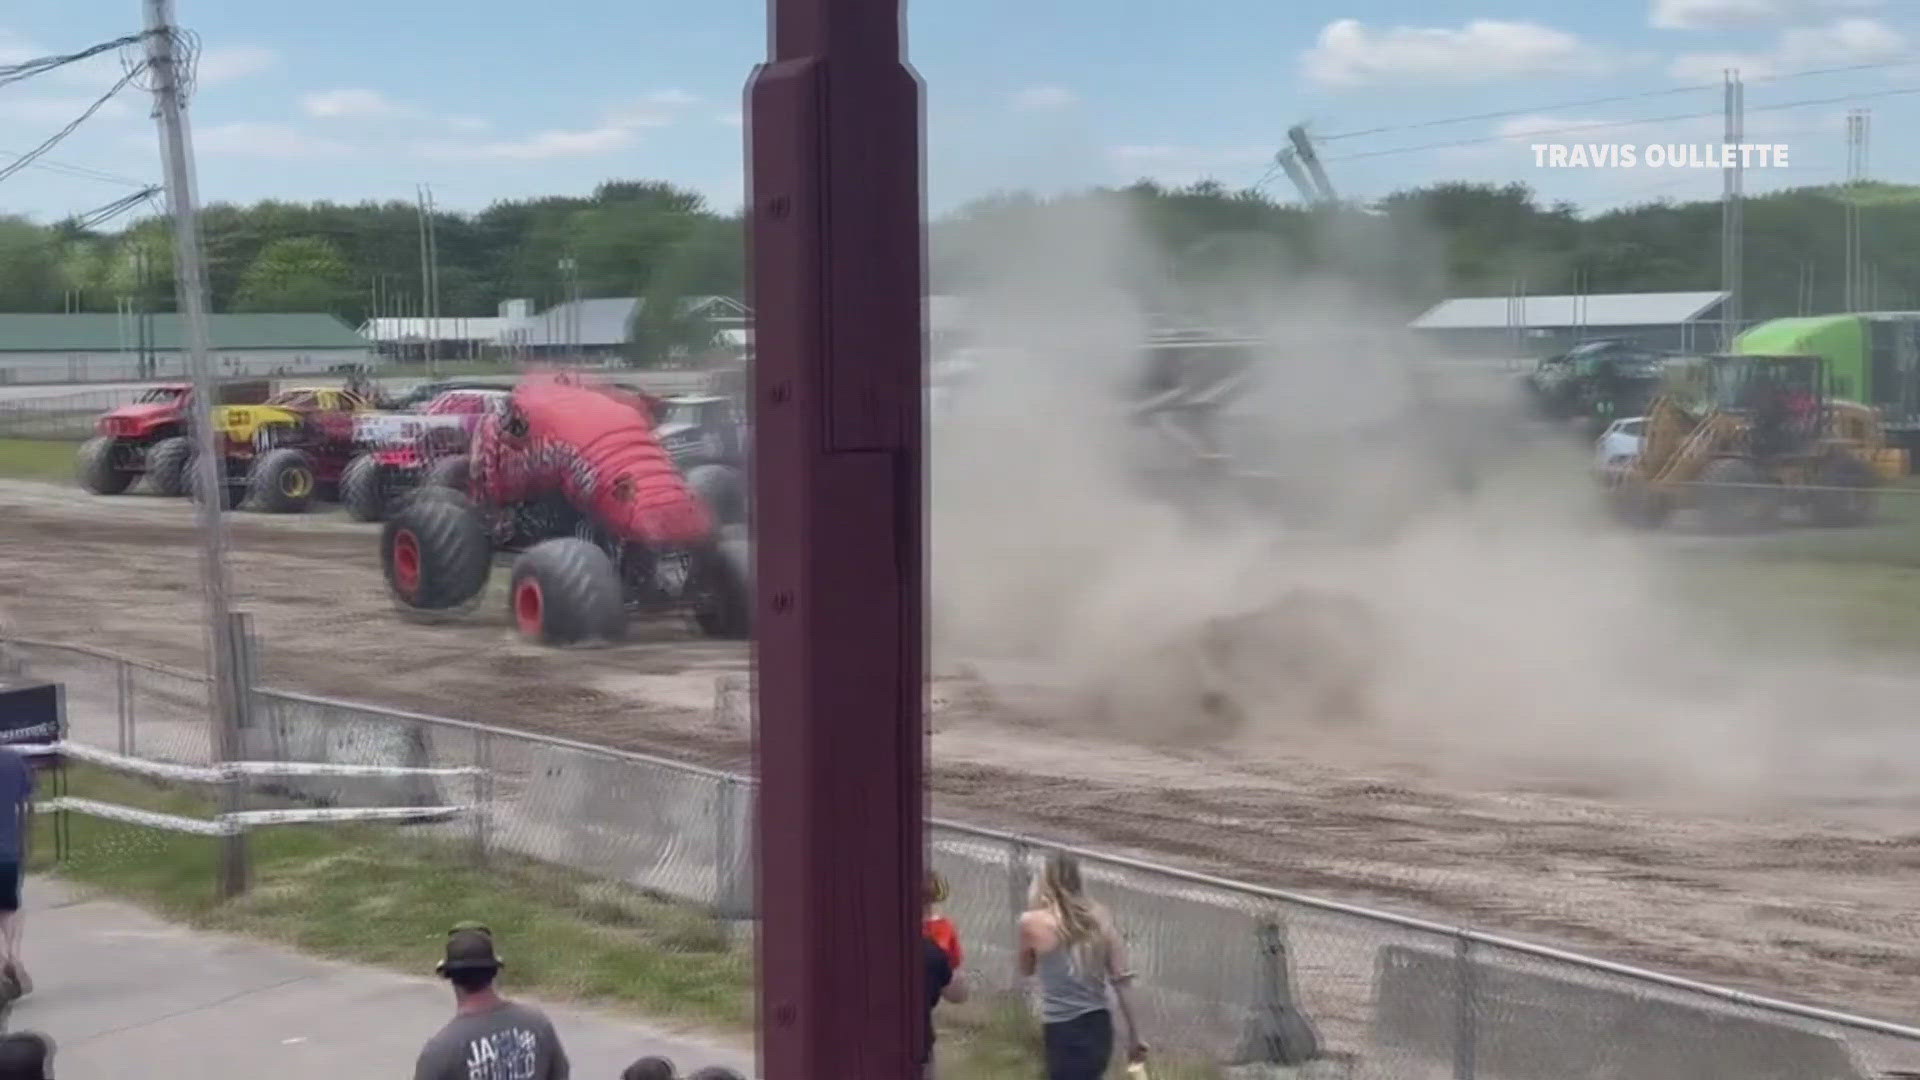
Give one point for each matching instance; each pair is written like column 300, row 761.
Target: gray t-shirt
column 512, row 1042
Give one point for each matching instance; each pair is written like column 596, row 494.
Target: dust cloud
column 1409, row 576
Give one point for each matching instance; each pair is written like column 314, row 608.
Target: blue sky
column 486, row 100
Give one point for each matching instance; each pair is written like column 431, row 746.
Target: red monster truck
column 571, row 481
column 150, row 438
column 401, row 452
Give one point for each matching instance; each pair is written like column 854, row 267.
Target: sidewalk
column 124, row 994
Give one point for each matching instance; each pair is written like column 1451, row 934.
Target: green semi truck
column 1872, row 358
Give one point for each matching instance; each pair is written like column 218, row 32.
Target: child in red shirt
column 938, row 926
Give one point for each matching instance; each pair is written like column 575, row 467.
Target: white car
column 1618, row 445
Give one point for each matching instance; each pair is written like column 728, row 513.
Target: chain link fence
column 60, row 415
column 1223, row 965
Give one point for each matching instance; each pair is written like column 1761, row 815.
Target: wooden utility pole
column 223, row 646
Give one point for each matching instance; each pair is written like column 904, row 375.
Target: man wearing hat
column 489, row 1037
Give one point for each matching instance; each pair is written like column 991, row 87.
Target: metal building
column 1487, row 326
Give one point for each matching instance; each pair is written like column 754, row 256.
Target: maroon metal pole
column 837, row 281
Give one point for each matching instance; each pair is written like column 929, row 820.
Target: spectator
column 16, row 816
column 716, row 1072
column 650, row 1068
column 943, row 982
column 939, row 927
column 26, row 1056
column 1070, row 943
column 489, row 1037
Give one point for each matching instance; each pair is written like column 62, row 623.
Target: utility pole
column 1731, row 252
column 1311, row 160
column 433, row 287
column 426, row 268
column 223, row 653
column 570, row 271
column 1856, row 176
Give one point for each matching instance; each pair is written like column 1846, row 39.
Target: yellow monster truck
column 277, row 455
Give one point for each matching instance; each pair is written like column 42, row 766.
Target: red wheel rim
column 406, row 562
column 526, row 607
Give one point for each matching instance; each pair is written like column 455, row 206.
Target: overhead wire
column 16, row 72
column 1611, row 124
column 26, row 69
column 95, row 218
column 54, row 140
column 79, row 171
column 1614, row 99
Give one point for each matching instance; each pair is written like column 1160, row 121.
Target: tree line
column 656, row 241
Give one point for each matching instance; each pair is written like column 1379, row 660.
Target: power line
column 81, row 171
column 1602, row 126
column 26, row 69
column 1614, row 99
column 30, row 156
column 93, row 219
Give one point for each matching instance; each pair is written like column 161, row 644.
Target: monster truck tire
column 435, row 553
column 723, row 492
column 360, row 490
column 566, row 591
column 727, row 612
column 167, row 463
column 282, row 482
column 1844, row 495
column 96, row 468
column 1736, row 497
column 449, row 472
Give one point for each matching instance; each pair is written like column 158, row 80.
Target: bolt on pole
column 190, row 272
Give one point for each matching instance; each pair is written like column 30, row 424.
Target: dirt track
column 1783, row 904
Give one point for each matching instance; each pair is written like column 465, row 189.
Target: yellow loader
column 1746, row 440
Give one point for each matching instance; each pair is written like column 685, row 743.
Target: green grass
column 377, row 895
column 37, row 459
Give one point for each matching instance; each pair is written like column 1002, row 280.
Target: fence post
column 1017, row 870
column 233, row 871
column 123, row 688
column 726, row 849
column 482, row 794
column 1465, row 1010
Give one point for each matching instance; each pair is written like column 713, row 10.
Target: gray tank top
column 1067, row 989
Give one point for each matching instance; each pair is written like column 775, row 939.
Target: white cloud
column 228, row 65
column 1349, row 54
column 541, row 146
column 1044, row 98
column 470, row 124
column 1838, row 44
column 1728, row 14
column 256, row 138
column 620, row 128
column 343, row 104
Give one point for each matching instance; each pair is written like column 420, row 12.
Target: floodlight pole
column 190, row 271
column 837, row 279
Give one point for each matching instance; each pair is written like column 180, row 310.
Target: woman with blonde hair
column 1069, row 942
